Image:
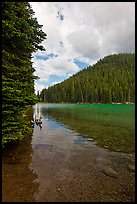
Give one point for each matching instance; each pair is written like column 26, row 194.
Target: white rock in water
column 89, row 139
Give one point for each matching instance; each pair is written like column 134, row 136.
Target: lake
column 82, row 152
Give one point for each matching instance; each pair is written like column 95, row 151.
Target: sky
column 78, row 35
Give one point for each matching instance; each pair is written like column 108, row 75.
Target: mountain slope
column 111, row 79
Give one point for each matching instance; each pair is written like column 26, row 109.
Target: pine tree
column 21, row 36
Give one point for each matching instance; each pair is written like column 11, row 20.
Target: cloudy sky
column 79, row 34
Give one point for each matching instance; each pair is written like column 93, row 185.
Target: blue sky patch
column 55, row 78
column 45, row 57
column 52, row 79
column 81, row 64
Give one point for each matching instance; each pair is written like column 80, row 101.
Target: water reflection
column 17, row 177
column 71, row 167
column 110, row 126
column 60, row 163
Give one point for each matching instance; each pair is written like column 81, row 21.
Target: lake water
column 83, row 152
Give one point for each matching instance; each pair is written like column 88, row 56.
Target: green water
column 111, row 126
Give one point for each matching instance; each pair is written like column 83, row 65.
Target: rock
column 131, row 167
column 58, row 189
column 109, row 171
column 118, row 150
column 89, row 139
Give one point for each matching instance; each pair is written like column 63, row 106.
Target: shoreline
column 89, row 103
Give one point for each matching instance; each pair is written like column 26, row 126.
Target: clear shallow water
column 65, row 160
column 110, row 125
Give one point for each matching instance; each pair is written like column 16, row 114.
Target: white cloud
column 88, row 31
column 38, row 87
column 59, row 66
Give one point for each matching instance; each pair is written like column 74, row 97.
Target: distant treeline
column 21, row 35
column 111, row 79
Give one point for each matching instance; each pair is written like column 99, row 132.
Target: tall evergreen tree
column 21, row 36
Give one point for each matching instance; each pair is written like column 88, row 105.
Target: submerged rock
column 58, row 189
column 131, row 167
column 89, row 139
column 109, row 171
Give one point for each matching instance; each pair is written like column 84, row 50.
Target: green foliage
column 21, row 36
column 111, row 79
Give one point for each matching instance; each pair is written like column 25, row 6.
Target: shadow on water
column 17, row 178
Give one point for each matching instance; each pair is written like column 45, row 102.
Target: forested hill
column 111, row 79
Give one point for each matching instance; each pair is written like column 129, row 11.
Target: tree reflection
column 18, row 179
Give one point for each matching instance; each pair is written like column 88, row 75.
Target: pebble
column 118, row 150
column 89, row 139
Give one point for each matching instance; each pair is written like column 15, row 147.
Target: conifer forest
column 111, row 79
